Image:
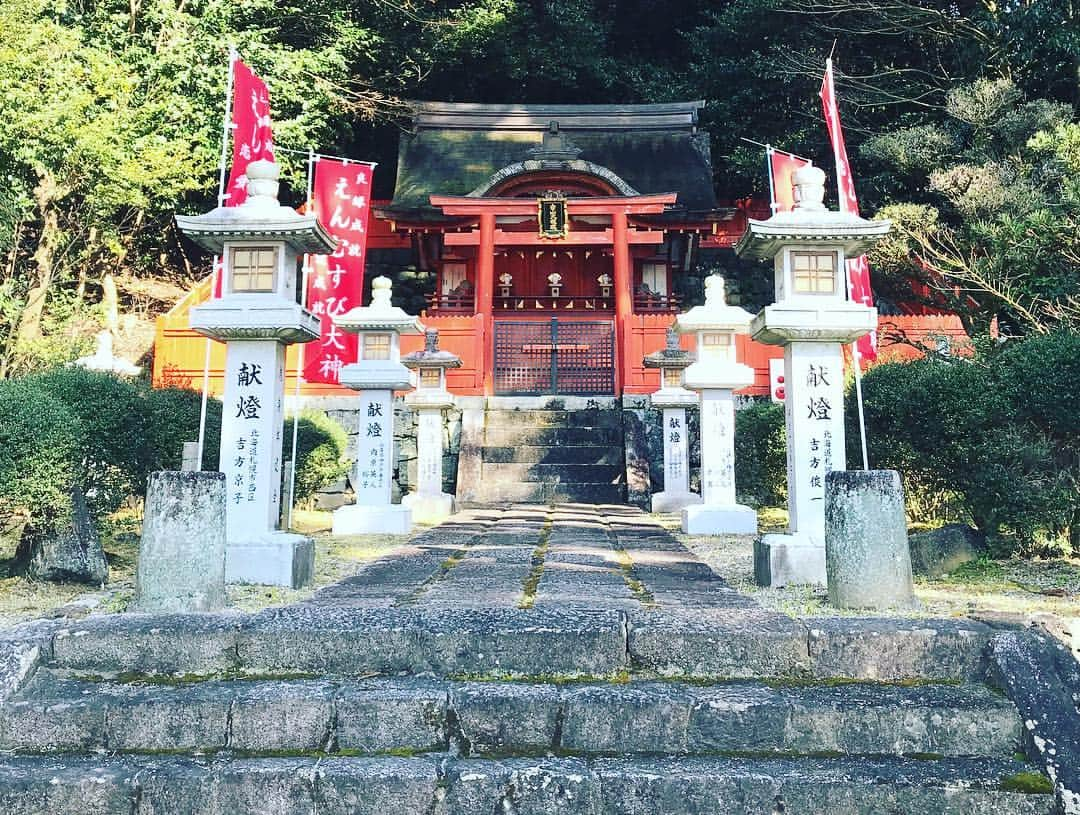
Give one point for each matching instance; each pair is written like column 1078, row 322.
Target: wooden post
column 624, row 300
column 485, row 286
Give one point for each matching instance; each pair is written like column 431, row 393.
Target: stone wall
column 405, row 421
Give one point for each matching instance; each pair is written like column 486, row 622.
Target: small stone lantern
column 256, row 316
column 506, row 282
column 605, row 285
column 812, row 319
column 376, row 374
column 428, row 503
column 673, row 399
column 555, row 283
column 716, row 375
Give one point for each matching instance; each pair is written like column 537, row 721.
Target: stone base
column 674, row 501
column 724, row 520
column 279, row 559
column 429, row 508
column 388, row 519
column 783, row 560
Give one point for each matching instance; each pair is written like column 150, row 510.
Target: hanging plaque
column 552, row 215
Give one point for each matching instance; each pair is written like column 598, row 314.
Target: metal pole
column 225, row 125
column 299, row 356
column 858, row 398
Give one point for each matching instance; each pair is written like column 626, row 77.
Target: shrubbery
column 999, row 430
column 320, row 449
column 761, row 454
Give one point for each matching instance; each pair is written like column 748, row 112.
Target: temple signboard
column 551, row 214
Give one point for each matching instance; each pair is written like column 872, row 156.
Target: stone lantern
column 812, row 319
column 429, row 504
column 376, row 374
column 673, row 399
column 716, row 375
column 256, row 316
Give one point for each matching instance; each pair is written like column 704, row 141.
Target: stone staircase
column 552, row 455
column 530, row 661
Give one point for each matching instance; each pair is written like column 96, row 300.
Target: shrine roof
column 455, row 149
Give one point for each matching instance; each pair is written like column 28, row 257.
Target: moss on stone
column 1028, row 783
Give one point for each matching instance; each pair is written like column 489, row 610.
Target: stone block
column 281, row 715
column 428, row 508
column 388, row 519
column 149, row 643
column 182, row 551
column 504, row 718
column 156, row 718
column 70, row 553
column 875, row 648
column 65, row 724
column 69, row 785
column 523, row 787
column 941, row 551
column 719, row 520
column 788, row 560
column 380, row 716
column 722, row 644
column 276, row 559
column 866, row 549
column 377, row 786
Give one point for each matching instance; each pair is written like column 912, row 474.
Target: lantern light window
column 814, row 272
column 254, row 268
column 376, row 346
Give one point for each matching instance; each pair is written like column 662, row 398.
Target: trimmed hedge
column 761, row 454
column 999, row 430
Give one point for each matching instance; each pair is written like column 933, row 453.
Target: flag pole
column 226, row 122
column 855, row 358
column 300, row 354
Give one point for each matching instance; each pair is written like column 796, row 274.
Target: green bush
column 761, row 454
column 997, row 429
column 114, row 431
column 173, row 413
column 40, row 446
column 320, row 449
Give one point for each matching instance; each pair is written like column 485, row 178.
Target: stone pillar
column 252, row 417
column 676, row 458
column 429, row 504
column 866, row 546
column 814, row 392
column 182, row 552
column 719, row 512
column 373, row 473
column 189, row 459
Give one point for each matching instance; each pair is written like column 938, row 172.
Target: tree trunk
column 46, row 194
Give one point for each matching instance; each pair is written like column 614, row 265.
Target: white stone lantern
column 260, row 243
column 673, row 399
column 376, row 374
column 429, row 504
column 812, row 319
column 716, row 375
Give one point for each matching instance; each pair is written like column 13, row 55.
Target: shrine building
column 560, row 236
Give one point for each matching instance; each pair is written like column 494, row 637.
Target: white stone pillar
column 251, row 423
column 374, row 470
column 717, row 447
column 719, row 512
column 814, row 390
column 429, row 451
column 676, row 460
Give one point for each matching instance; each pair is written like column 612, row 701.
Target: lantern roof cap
column 380, row 315
column 671, row 356
column 260, row 218
column 431, row 356
column 715, row 314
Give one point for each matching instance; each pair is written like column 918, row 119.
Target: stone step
column 409, row 715
column 553, row 436
column 563, row 454
column 553, row 418
column 543, row 473
column 495, row 489
column 699, row 643
column 389, row 785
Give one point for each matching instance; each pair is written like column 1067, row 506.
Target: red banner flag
column 252, row 138
column 858, row 270
column 782, row 166
column 341, row 200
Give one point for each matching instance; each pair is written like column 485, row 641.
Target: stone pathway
column 571, row 556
